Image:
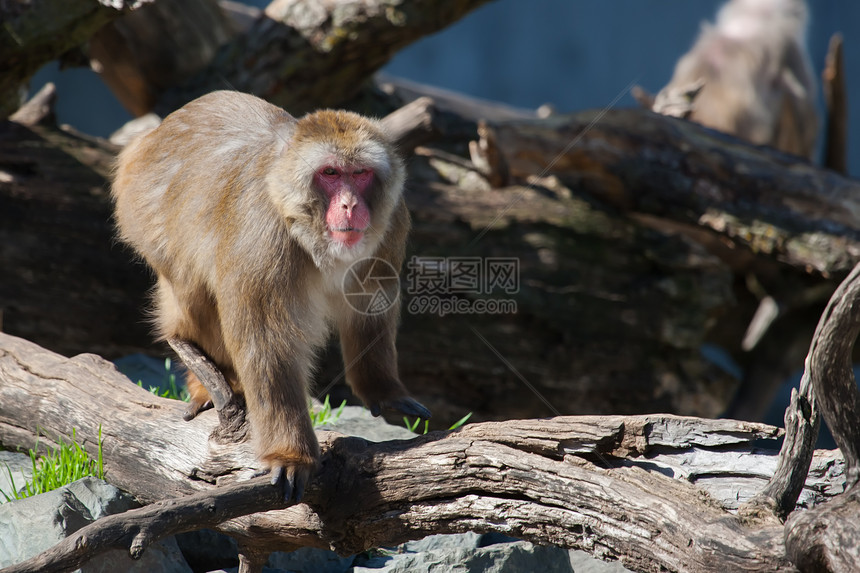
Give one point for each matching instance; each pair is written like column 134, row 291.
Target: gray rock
column 459, row 553
column 309, row 560
column 357, row 421
column 582, row 562
column 34, row 524
column 442, row 543
column 447, row 553
column 236, row 570
column 21, row 468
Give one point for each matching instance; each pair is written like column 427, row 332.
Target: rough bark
column 157, row 46
column 306, row 54
column 653, row 492
column 827, row 538
column 230, row 406
column 34, row 33
column 60, row 260
column 774, row 204
column 802, row 422
column 832, row 375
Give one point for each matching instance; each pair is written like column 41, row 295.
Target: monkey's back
column 197, row 183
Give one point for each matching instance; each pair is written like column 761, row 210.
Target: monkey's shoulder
column 230, row 114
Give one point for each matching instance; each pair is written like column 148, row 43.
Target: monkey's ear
column 284, row 137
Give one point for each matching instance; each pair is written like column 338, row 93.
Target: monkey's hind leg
column 198, row 400
column 371, row 365
column 181, row 322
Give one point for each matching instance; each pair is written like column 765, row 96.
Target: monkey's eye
column 359, row 171
column 329, row 171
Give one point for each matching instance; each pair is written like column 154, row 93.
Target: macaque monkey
column 250, row 219
column 750, row 75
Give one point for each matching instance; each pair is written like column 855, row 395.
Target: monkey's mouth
column 346, row 235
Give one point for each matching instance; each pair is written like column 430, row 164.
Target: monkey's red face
column 347, row 216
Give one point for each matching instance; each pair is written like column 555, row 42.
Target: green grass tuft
column 60, row 466
column 413, row 426
column 325, row 415
column 171, row 390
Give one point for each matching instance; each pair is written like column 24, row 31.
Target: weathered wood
column 66, row 283
column 156, row 46
column 802, row 417
column 34, row 33
column 229, row 405
column 39, row 108
column 802, row 422
column 413, row 124
column 827, row 537
column 831, row 373
column 307, row 54
column 467, row 108
column 602, row 484
column 773, row 204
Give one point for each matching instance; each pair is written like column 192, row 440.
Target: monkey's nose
column 348, row 203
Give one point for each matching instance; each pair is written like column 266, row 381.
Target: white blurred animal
column 749, row 74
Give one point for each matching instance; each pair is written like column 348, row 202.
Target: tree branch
column 306, row 54
column 826, row 538
column 802, row 422
column 229, row 405
column 832, row 375
column 135, row 530
column 34, row 33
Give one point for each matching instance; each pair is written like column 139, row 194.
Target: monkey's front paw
column 405, row 405
column 294, row 478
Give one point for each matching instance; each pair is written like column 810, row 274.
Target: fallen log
column 650, row 491
column 679, row 174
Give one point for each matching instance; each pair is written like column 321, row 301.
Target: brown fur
column 756, row 75
column 220, row 201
